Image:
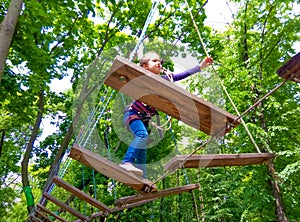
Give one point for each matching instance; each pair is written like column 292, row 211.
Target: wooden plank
column 64, row 206
column 291, row 69
column 116, row 209
column 217, row 160
column 158, row 194
column 111, row 169
column 169, row 98
column 35, row 219
column 59, row 182
column 94, row 216
column 43, row 215
column 137, row 200
column 51, row 213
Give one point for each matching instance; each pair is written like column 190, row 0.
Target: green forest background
column 46, row 41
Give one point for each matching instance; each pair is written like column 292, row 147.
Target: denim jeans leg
column 141, row 160
column 137, row 149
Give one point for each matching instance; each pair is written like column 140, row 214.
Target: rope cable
column 113, row 186
column 100, row 115
column 162, row 127
column 85, row 128
column 177, row 152
column 261, row 99
column 223, row 86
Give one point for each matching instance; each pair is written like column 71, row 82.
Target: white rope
column 162, row 127
column 223, row 86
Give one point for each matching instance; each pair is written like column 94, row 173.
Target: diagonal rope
column 223, row 86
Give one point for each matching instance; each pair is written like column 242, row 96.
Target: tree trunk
column 25, row 161
column 1, row 142
column 280, row 212
column 7, row 29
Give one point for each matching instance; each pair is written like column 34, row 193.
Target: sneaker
column 131, row 168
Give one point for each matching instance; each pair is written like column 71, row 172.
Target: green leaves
column 54, row 39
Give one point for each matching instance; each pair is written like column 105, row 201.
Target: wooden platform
column 155, row 195
column 153, row 90
column 111, row 169
column 217, row 160
column 291, row 69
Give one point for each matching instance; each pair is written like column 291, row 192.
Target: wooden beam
column 94, row 216
column 36, row 219
column 155, row 91
column 116, row 209
column 158, row 194
column 64, row 206
column 51, row 213
column 217, row 160
column 111, row 169
column 83, row 196
column 291, row 69
column 43, row 215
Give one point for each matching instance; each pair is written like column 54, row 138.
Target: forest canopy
column 51, row 42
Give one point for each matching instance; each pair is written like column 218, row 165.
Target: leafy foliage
column 54, row 40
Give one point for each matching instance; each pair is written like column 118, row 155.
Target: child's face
column 154, row 65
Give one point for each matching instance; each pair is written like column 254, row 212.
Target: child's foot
column 131, row 168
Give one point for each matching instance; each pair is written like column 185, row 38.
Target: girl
column 138, row 114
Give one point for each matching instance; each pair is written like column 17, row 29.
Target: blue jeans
column 136, row 152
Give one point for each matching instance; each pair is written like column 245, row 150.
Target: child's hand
column 206, row 62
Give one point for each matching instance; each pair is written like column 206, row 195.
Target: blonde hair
column 144, row 61
column 147, row 57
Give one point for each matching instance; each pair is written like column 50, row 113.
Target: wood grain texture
column 155, row 195
column 111, row 169
column 291, row 69
column 155, row 91
column 64, row 206
column 217, row 160
column 83, row 196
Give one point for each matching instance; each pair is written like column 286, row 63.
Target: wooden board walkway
column 155, row 195
column 217, row 160
column 291, row 69
column 153, row 90
column 111, row 169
